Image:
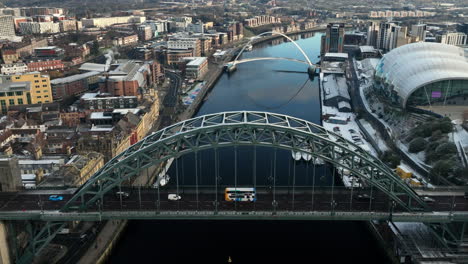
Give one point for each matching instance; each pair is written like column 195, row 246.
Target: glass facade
column 438, row 92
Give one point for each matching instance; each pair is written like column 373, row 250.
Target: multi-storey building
column 144, row 32
column 108, row 21
column 22, row 89
column 185, row 43
column 70, row 25
column 14, row 68
column 196, row 67
column 39, row 28
column 372, row 32
column 74, row 85
column 96, row 101
column 456, row 39
column 125, row 40
column 419, row 31
column 7, row 26
column 45, row 65
column 333, row 40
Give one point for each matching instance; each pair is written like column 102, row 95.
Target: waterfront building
column 103, row 22
column 333, row 40
column 196, row 67
column 422, row 73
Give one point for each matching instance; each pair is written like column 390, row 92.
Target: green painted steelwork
column 239, row 129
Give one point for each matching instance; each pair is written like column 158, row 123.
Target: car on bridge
column 364, row 196
column 55, row 198
column 124, row 195
column 428, row 199
column 173, row 197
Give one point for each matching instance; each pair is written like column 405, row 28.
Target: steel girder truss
column 245, row 128
column 40, row 238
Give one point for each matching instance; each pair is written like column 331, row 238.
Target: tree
column 95, row 48
column 391, row 159
column 416, row 145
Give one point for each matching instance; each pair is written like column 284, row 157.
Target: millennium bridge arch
column 230, row 66
column 244, row 128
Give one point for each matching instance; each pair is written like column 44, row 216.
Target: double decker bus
column 240, row 194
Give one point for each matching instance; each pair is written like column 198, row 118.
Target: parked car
column 55, row 198
column 336, row 129
column 352, row 131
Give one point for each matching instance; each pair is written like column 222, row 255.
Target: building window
column 45, row 85
column 36, row 81
column 10, row 93
column 38, row 91
column 45, row 91
column 19, row 93
column 46, row 96
column 17, row 77
column 36, row 76
column 37, row 86
column 44, row 80
column 39, row 96
column 12, row 101
column 20, row 101
column 2, row 94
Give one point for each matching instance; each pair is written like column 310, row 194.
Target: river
column 273, row 86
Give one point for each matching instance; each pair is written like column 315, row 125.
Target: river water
column 273, row 86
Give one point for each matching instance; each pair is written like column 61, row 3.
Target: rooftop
column 74, row 78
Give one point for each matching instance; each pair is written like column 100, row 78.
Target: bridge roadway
column 148, row 203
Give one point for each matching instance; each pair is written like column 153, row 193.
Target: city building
column 419, row 31
column 27, row 28
column 51, row 51
column 457, row 39
column 185, row 43
column 10, row 174
column 333, row 40
column 74, row 85
column 9, row 56
column 23, row 89
column 14, row 68
column 422, row 73
column 103, row 22
column 144, row 33
column 97, row 101
column 45, row 65
column 125, row 40
column 261, row 20
column 70, row 25
column 196, row 67
column 76, row 171
column 391, row 36
column 7, row 26
column 129, row 78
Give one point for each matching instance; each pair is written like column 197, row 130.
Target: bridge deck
column 150, row 203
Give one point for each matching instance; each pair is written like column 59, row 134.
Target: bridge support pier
column 311, row 72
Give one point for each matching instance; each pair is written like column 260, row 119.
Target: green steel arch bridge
column 389, row 197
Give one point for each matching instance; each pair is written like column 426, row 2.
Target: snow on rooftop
column 99, row 115
column 74, row 78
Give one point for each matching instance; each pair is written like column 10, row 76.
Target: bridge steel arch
column 244, row 128
column 281, row 34
column 270, row 58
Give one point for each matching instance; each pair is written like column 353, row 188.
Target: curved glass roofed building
column 423, row 73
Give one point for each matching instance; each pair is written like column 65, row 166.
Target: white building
column 419, row 31
column 14, row 68
column 108, row 21
column 456, row 39
column 39, row 28
column 196, row 67
column 7, row 27
column 184, row 43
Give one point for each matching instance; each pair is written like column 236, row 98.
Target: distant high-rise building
column 419, row 31
column 390, row 36
column 456, row 39
column 372, row 32
column 334, row 38
column 7, row 26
